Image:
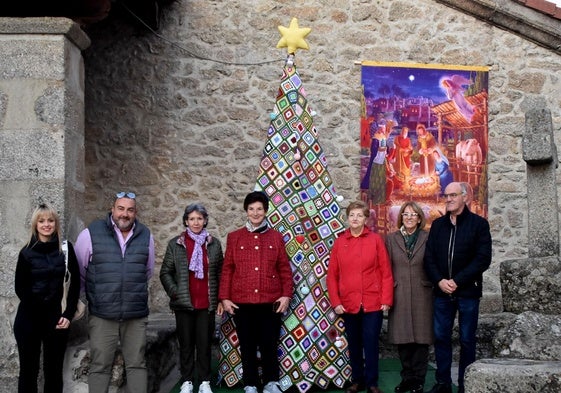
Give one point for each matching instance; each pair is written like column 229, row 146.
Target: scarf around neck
column 410, row 240
column 261, row 228
column 196, row 263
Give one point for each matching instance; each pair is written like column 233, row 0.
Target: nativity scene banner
column 422, row 127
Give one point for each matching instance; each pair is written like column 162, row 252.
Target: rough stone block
column 491, row 302
column 25, row 58
column 487, row 330
column 3, row 106
column 538, row 147
column 34, row 155
column 530, row 335
column 513, row 376
column 532, row 284
column 46, row 25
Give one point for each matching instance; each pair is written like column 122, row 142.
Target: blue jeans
column 363, row 332
column 445, row 309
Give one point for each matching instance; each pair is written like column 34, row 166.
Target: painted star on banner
column 293, row 37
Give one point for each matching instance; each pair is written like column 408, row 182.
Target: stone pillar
column 534, row 283
column 41, row 146
column 531, row 286
column 540, row 153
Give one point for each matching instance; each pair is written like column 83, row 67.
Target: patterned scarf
column 410, row 240
column 196, row 264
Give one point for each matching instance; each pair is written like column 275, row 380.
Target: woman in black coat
column 40, row 320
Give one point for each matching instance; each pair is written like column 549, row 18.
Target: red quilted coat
column 256, row 268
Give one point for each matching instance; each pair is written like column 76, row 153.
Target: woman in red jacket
column 360, row 288
column 255, row 287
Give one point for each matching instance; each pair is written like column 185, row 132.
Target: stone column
column 534, row 283
column 525, row 341
column 540, row 153
column 41, row 146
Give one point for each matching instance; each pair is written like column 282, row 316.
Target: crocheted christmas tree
column 304, row 207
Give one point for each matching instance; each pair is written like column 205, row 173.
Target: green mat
column 389, row 378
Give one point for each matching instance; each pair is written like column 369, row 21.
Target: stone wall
column 183, row 117
column 187, row 121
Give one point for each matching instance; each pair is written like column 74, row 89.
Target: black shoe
column 441, row 388
column 354, row 388
column 403, row 387
column 418, row 388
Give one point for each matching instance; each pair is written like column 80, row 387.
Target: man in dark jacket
column 458, row 251
column 116, row 258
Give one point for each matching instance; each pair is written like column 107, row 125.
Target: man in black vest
column 116, row 257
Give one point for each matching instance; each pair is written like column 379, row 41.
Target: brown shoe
column 374, row 389
column 354, row 388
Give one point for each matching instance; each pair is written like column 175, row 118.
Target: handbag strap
column 64, row 247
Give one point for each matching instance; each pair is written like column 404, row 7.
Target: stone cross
column 540, row 153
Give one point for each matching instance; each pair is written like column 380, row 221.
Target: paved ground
column 389, row 378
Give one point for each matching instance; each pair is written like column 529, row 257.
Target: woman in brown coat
column 410, row 319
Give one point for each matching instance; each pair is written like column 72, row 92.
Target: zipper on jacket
column 451, row 247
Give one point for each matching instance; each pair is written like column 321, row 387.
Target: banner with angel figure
column 422, row 127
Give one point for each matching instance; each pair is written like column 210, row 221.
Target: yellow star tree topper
column 293, row 37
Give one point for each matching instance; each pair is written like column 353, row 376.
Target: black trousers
column 258, row 327
column 34, row 328
column 194, row 331
column 414, row 362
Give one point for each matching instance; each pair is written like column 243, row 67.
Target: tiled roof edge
column 514, row 16
column 544, row 6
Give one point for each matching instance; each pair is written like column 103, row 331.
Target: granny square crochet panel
column 305, row 209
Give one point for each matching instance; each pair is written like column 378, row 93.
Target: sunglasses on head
column 124, row 194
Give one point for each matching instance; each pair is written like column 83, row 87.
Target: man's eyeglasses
column 409, row 215
column 124, row 194
column 451, row 195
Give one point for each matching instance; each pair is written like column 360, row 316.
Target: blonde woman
column 40, row 321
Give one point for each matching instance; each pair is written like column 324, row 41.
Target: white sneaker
column 272, row 387
column 186, row 387
column 204, row 387
column 250, row 389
